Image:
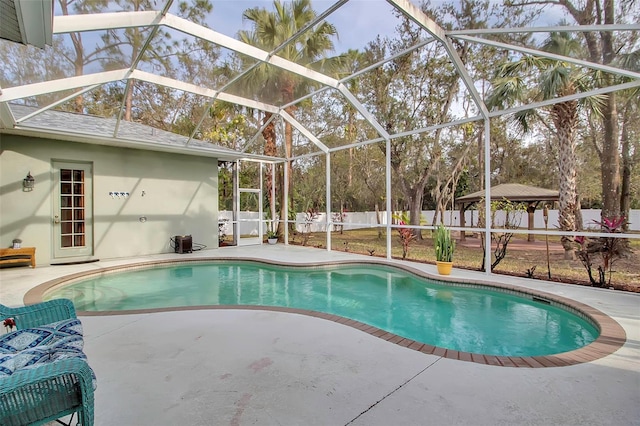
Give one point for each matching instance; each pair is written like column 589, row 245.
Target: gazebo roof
column 512, row 192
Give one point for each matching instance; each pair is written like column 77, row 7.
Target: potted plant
column 444, row 247
column 272, row 237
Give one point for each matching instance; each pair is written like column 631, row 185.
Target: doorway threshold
column 76, row 262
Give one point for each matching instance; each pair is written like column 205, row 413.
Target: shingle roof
column 9, row 28
column 94, row 127
column 513, row 192
column 29, row 22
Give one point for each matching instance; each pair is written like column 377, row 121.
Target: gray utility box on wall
column 183, row 243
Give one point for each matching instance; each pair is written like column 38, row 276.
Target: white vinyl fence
column 357, row 220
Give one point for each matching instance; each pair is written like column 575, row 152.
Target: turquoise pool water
column 453, row 317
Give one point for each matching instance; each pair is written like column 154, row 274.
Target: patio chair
column 46, row 391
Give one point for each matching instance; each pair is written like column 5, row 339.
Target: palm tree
column 271, row 84
column 352, row 61
column 555, row 79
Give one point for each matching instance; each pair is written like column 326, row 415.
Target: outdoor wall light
column 28, row 183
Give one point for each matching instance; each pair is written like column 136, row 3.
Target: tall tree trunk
column 415, row 209
column 136, row 41
column 625, row 187
column 79, row 69
column 578, row 214
column 481, row 159
column 270, row 149
column 610, row 161
column 610, row 149
column 78, row 61
column 378, row 221
column 128, row 102
column 564, row 120
column 601, row 50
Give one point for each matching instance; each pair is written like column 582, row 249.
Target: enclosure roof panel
column 137, row 59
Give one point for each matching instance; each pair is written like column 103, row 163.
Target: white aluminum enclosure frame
column 162, row 18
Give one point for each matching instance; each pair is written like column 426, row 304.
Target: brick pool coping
column 611, row 338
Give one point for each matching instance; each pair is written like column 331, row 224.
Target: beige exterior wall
column 180, row 197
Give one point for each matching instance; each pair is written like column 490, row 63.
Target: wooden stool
column 19, row 255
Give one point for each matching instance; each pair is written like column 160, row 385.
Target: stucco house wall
column 180, row 197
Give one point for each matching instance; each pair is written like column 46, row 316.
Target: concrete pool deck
column 241, row 367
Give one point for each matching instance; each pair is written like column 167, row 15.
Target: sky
column 357, row 22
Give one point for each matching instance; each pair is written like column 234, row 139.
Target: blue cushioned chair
column 48, row 391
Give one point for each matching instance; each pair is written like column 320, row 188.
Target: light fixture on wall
column 28, row 183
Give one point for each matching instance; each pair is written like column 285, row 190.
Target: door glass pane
column 66, row 241
column 72, row 227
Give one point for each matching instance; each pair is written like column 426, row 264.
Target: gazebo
column 530, row 195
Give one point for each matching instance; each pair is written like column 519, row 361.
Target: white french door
column 72, row 210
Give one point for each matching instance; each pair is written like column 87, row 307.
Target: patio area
column 241, row 367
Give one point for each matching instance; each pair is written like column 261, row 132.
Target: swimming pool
column 462, row 318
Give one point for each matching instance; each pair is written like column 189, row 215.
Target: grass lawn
column 521, row 256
